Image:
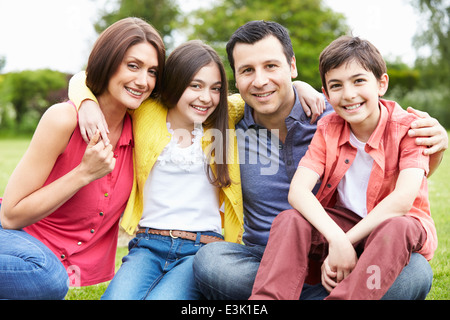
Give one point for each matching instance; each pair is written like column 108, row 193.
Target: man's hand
column 429, row 132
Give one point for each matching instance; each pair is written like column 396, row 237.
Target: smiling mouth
column 353, row 107
column 263, row 95
column 136, row 93
column 202, row 109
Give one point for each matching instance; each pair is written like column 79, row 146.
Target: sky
column 59, row 34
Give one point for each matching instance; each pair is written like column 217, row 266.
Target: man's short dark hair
column 255, row 31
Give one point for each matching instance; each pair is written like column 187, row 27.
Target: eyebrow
column 351, row 77
column 270, row 61
column 140, row 61
column 203, row 82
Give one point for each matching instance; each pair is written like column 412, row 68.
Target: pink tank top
column 83, row 232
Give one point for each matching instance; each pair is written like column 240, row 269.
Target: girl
column 174, row 200
column 69, row 197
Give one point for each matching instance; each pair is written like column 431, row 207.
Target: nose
column 349, row 92
column 205, row 96
column 141, row 79
column 260, row 79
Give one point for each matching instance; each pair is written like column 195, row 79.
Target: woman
column 68, row 197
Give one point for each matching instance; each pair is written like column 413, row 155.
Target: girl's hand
column 91, row 120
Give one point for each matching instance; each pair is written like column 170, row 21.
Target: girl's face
column 199, row 99
column 135, row 78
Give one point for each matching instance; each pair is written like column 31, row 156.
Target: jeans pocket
column 133, row 243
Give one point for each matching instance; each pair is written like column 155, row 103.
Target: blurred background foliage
column 25, row 95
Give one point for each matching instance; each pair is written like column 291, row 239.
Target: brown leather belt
column 180, row 234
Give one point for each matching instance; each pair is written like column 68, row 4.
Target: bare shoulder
column 61, row 117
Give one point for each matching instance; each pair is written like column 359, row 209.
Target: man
column 272, row 137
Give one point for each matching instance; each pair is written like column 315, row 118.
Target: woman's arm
column 26, row 201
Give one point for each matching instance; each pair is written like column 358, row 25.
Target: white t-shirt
column 178, row 194
column 352, row 189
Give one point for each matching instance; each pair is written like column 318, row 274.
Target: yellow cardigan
column 150, row 120
column 151, row 136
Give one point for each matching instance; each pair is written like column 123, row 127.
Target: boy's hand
column 341, row 259
column 91, row 120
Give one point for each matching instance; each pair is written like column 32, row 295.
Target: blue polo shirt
column 268, row 166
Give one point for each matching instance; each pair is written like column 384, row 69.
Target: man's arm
column 431, row 133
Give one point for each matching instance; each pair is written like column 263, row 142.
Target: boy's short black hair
column 346, row 49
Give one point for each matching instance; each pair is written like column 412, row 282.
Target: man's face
column 263, row 75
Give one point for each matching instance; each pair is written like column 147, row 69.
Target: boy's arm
column 342, row 256
column 397, row 203
column 90, row 116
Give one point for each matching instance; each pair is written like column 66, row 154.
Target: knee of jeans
column 204, row 260
column 423, row 275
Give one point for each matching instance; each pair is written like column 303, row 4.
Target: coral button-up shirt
column 330, row 154
column 83, row 232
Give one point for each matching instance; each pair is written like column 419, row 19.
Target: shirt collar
column 126, row 138
column 375, row 138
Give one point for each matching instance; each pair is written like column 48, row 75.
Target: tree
column 435, row 34
column 161, row 14
column 32, row 91
column 312, row 27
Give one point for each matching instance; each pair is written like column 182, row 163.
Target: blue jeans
column 157, row 268
column 225, row 271
column 28, row 269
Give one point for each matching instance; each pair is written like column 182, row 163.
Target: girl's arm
column 397, row 203
column 26, row 201
column 90, row 116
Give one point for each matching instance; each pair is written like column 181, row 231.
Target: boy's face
column 353, row 92
column 263, row 75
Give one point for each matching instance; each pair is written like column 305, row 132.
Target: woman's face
column 199, row 99
column 135, row 78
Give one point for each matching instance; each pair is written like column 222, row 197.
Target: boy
column 372, row 209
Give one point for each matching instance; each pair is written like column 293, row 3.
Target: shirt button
column 101, row 214
column 63, row 256
column 347, row 161
column 92, row 230
column 106, row 194
column 328, row 185
column 79, row 243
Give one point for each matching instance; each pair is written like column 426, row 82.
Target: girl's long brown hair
column 181, row 67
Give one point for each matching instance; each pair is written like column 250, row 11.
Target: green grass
column 11, row 150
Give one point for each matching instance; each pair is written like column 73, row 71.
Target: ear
column 294, row 72
column 325, row 93
column 383, row 84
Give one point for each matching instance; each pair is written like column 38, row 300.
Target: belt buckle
column 171, row 235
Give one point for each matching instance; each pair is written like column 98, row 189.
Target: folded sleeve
column 78, row 91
